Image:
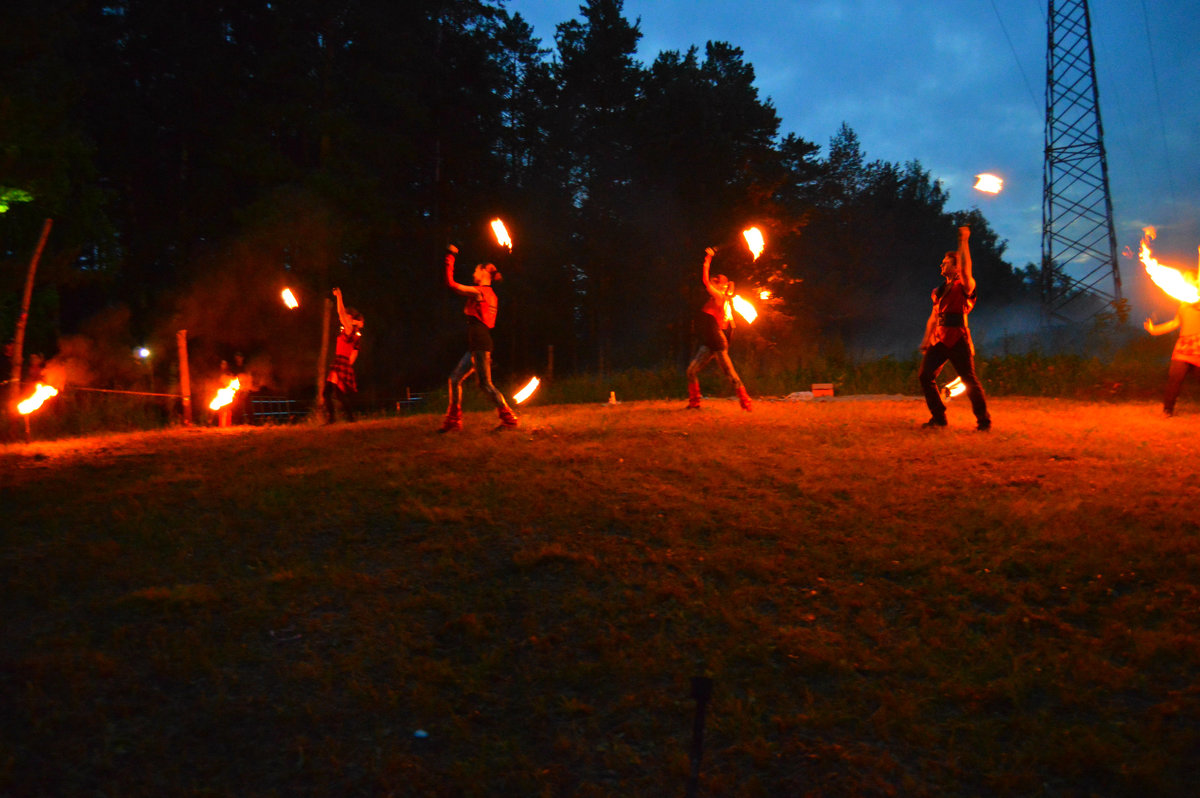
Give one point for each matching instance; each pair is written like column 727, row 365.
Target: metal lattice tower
column 1077, row 217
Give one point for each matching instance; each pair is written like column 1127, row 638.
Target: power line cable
column 1013, row 50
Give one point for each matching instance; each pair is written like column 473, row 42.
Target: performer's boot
column 507, row 418
column 744, row 398
column 693, row 396
column 453, row 420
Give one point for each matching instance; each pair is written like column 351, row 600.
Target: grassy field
column 376, row 609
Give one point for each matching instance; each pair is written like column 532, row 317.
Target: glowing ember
column 745, row 309
column 40, row 395
column 989, row 184
column 754, row 240
column 954, row 388
column 289, row 299
column 501, row 234
column 1168, row 279
column 225, row 395
column 527, row 391
column 764, row 295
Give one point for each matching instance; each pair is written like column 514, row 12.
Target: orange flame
column 990, row 184
column 527, row 391
column 745, row 309
column 754, row 240
column 764, row 295
column 1168, row 279
column 40, row 395
column 289, row 299
column 225, row 395
column 501, row 232
column 956, row 387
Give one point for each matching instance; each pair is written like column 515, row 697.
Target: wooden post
column 185, row 378
column 18, row 354
column 323, row 360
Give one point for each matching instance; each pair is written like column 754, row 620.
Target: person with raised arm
column 948, row 338
column 340, row 383
column 481, row 310
column 1185, row 357
column 716, row 328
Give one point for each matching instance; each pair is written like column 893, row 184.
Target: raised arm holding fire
column 1185, row 357
column 340, row 382
column 947, row 337
column 481, row 310
column 716, row 326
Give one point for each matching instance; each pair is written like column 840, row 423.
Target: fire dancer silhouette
column 947, row 337
column 716, row 329
column 1185, row 357
column 340, row 383
column 481, row 311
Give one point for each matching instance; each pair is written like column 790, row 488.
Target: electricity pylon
column 1080, row 275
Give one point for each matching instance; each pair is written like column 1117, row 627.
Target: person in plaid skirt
column 1185, row 357
column 340, row 383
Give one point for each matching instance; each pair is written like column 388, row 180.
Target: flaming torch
column 956, row 387
column 40, row 395
column 225, row 395
column 988, row 184
column 501, row 233
column 754, row 240
column 289, row 298
column 1168, row 279
column 527, row 391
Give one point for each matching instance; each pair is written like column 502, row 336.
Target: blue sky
column 960, row 86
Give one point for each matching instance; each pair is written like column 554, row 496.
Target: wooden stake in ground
column 185, row 379
column 323, row 359
column 18, row 357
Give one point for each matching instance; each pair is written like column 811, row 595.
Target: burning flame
column 501, row 234
column 1168, row 279
column 225, row 395
column 764, row 295
column 745, row 309
column 289, row 299
column 956, row 387
column 527, row 391
column 40, row 395
column 754, row 240
column 990, row 184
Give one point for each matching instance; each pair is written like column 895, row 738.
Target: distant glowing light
column 527, row 391
column 40, row 395
column 142, row 352
column 988, row 183
column 289, row 298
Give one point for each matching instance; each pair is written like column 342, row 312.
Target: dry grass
column 884, row 610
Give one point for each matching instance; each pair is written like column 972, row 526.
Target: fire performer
column 947, row 336
column 340, row 382
column 716, row 329
column 1185, row 357
column 481, row 310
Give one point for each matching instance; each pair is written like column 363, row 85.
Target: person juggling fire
column 481, row 311
column 716, row 328
column 947, row 336
column 1185, row 357
column 340, row 383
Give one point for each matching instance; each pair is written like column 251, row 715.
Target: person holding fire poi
column 340, row 382
column 1185, row 357
column 481, row 310
column 716, row 329
column 947, row 337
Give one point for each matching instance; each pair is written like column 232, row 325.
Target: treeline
column 197, row 157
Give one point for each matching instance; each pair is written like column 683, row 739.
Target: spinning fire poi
column 40, row 394
column 716, row 327
column 1185, row 356
column 340, row 382
column 947, row 337
column 481, row 310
